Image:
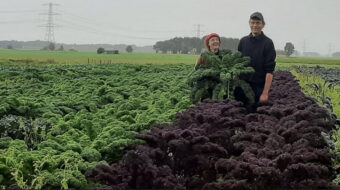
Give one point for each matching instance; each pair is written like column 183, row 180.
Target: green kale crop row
column 58, row 122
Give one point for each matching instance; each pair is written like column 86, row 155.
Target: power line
column 198, row 30
column 18, row 21
column 304, row 46
column 83, row 24
column 114, row 26
column 18, row 11
column 49, row 35
column 75, row 25
column 80, row 23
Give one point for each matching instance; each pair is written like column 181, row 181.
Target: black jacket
column 262, row 53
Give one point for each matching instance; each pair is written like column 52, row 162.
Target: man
column 261, row 50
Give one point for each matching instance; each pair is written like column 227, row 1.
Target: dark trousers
column 240, row 96
column 258, row 89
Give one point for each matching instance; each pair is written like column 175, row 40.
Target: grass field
column 91, row 57
column 86, row 57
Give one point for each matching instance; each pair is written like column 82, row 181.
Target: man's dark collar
column 258, row 37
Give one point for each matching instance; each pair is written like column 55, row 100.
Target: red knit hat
column 206, row 41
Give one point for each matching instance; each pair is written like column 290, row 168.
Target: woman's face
column 214, row 43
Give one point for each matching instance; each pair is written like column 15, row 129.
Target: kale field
column 73, row 120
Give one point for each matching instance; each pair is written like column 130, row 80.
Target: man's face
column 256, row 26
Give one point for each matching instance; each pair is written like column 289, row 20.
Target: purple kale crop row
column 329, row 75
column 218, row 145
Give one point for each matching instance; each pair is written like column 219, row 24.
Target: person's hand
column 263, row 98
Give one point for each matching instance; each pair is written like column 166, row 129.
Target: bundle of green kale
column 218, row 79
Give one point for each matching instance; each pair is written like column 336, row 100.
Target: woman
column 212, row 43
column 203, row 85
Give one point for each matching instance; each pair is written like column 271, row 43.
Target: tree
column 51, row 46
column 336, row 54
column 72, row 50
column 100, row 50
column 160, row 46
column 185, row 50
column 129, row 49
column 61, row 48
column 289, row 49
column 9, row 46
column 191, row 44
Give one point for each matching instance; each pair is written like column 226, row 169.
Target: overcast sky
column 313, row 25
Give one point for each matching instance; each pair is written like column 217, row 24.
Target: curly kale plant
column 218, row 79
column 218, row 145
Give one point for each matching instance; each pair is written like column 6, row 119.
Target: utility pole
column 49, row 35
column 304, row 47
column 198, row 30
column 330, row 49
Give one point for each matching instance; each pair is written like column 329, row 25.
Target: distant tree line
column 192, row 45
column 52, row 47
column 102, row 50
column 336, row 54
